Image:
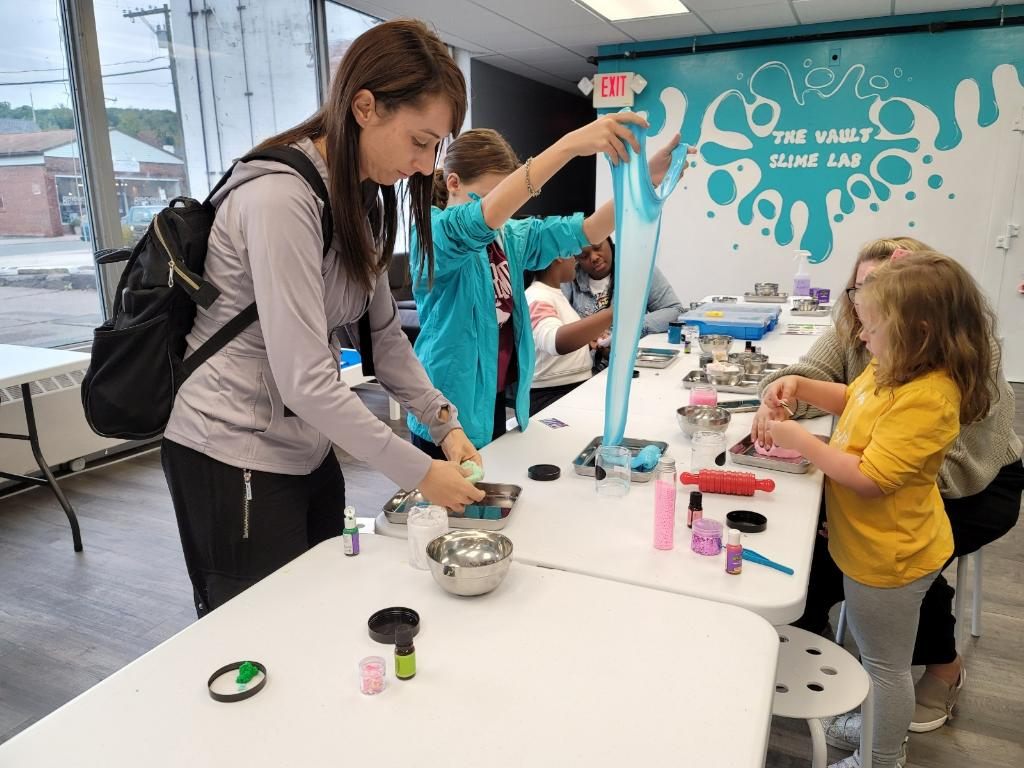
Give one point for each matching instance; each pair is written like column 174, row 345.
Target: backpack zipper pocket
column 172, row 265
column 246, row 500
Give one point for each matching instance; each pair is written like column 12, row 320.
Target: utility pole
column 167, row 36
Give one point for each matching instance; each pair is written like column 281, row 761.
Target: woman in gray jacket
column 248, row 449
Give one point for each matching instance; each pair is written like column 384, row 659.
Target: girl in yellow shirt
column 922, row 317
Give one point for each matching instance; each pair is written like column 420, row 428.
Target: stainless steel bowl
column 755, row 363
column 698, row 418
column 716, row 344
column 724, row 378
column 805, row 304
column 469, row 562
column 766, row 289
column 740, row 358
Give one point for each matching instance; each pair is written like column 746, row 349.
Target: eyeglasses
column 851, row 293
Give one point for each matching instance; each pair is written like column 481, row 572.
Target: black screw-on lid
column 544, row 472
column 696, row 500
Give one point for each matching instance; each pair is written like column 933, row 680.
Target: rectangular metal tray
column 778, row 298
column 499, row 495
column 746, row 386
column 745, row 453
column 822, row 312
column 583, row 464
column 652, row 357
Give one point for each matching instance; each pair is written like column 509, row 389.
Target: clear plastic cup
column 612, row 470
column 708, row 451
column 424, row 524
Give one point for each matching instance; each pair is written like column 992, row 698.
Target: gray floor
column 67, row 621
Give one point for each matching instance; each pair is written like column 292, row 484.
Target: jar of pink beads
column 703, row 394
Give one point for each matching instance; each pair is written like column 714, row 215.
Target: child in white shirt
column 563, row 341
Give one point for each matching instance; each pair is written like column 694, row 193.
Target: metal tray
column 820, row 312
column 746, row 386
column 651, row 357
column 499, row 495
column 778, row 298
column 745, row 453
column 583, row 464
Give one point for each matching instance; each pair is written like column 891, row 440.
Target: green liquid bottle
column 405, row 654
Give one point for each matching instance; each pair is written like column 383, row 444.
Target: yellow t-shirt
column 901, row 436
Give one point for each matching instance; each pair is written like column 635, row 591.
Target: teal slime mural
column 808, row 130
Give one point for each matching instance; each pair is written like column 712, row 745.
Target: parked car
column 136, row 222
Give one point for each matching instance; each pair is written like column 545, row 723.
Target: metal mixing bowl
column 716, row 344
column 469, row 562
column 805, row 304
column 724, row 378
column 766, row 289
column 698, row 418
column 756, row 363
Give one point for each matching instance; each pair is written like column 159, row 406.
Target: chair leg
column 958, row 600
column 976, row 597
column 841, row 626
column 867, row 727
column 819, row 749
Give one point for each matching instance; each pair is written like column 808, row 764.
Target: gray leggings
column 884, row 624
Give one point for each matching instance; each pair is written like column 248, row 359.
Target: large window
column 188, row 86
column 47, row 281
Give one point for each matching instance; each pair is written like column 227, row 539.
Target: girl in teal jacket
column 475, row 338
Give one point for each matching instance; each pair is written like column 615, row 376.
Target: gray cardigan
column 266, row 244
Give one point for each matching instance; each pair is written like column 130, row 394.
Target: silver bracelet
column 529, row 187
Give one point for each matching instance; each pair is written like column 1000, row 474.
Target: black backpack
column 138, row 354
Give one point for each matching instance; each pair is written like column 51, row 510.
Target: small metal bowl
column 805, row 304
column 756, row 363
column 740, row 358
column 717, row 344
column 766, row 289
column 469, row 562
column 724, row 378
column 698, row 418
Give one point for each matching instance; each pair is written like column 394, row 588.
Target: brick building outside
column 41, row 188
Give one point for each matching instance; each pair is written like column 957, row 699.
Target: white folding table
column 551, row 668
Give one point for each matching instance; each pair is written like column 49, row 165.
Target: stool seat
column 816, row 677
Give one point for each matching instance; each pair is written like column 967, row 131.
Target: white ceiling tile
column 588, row 36
column 542, row 57
column 818, row 11
column 686, row 25
column 538, row 14
column 724, row 5
column 752, row 17
column 928, row 6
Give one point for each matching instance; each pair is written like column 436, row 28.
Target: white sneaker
column 843, row 731
column 853, row 761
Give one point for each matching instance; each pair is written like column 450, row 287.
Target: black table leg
column 33, row 439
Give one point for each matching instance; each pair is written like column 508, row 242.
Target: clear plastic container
column 708, row 450
column 372, row 675
column 612, row 470
column 424, row 524
column 703, row 394
column 707, row 537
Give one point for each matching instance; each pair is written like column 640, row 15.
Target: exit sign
column 616, row 89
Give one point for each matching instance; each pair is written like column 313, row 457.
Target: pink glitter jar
column 707, row 537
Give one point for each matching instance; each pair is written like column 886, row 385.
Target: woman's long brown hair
column 400, row 62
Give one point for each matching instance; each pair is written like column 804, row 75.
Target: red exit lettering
column 613, row 85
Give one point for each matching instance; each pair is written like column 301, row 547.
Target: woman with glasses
column 980, row 480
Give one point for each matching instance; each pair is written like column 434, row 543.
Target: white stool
column 816, row 678
column 958, row 602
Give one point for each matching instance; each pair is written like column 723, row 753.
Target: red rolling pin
column 722, row 481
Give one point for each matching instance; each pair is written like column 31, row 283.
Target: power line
column 60, row 69
column 109, row 74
